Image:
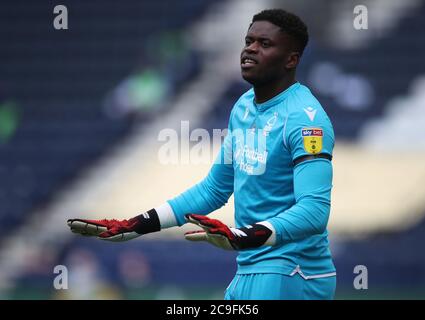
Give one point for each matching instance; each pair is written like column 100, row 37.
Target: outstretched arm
column 203, row 198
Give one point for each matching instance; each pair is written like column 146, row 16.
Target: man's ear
column 292, row 60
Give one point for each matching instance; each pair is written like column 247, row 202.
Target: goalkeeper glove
column 220, row 235
column 117, row 230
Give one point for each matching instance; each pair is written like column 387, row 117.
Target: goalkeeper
column 276, row 160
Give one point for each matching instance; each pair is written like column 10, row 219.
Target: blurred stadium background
column 81, row 110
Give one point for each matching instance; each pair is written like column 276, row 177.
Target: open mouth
column 248, row 62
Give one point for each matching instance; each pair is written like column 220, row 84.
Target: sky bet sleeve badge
column 312, row 138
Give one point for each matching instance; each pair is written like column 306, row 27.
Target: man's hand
column 117, row 230
column 220, row 235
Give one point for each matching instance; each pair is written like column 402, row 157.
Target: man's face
column 267, row 55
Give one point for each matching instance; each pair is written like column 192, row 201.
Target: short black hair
column 288, row 22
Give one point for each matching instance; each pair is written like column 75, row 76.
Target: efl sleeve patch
column 313, row 139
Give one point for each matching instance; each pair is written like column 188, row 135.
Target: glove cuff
column 251, row 237
column 147, row 222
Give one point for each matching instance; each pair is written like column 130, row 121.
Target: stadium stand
column 55, row 81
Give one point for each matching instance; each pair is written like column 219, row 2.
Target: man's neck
column 270, row 90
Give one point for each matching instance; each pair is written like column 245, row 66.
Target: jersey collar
column 276, row 99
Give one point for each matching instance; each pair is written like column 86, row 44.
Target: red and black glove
column 117, row 230
column 220, row 235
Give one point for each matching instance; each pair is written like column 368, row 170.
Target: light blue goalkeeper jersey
column 256, row 164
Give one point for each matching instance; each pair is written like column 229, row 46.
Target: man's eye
column 265, row 44
column 248, row 42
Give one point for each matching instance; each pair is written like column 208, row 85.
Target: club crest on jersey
column 313, row 139
column 269, row 125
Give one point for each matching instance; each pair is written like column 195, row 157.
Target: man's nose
column 253, row 47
